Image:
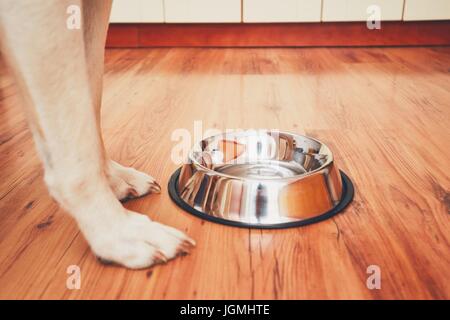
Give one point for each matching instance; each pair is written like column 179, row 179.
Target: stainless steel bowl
column 264, row 179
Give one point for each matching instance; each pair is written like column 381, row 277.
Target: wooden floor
column 384, row 112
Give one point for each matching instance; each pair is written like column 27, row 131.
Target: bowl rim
column 348, row 192
column 328, row 162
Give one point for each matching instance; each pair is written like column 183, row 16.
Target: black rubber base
column 347, row 196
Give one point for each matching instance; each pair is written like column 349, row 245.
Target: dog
column 59, row 74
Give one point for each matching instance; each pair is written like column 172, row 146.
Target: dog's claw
column 155, row 187
column 128, row 183
column 183, row 249
column 132, row 193
column 160, row 257
column 191, row 242
column 186, row 246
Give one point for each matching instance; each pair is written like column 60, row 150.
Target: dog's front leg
column 49, row 62
column 125, row 182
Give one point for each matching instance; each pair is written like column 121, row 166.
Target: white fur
column 59, row 72
column 128, row 182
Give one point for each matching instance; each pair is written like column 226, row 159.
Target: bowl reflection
column 260, row 178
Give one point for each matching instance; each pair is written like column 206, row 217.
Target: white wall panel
column 282, row 10
column 274, row 10
column 427, row 10
column 356, row 10
column 202, row 10
column 137, row 11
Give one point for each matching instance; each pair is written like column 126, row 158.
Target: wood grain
column 385, row 112
column 392, row 33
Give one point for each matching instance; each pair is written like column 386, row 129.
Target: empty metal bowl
column 263, row 179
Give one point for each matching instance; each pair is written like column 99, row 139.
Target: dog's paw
column 137, row 242
column 128, row 183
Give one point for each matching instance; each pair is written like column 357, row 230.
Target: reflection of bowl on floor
column 265, row 179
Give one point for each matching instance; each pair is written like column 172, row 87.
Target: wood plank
column 383, row 111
